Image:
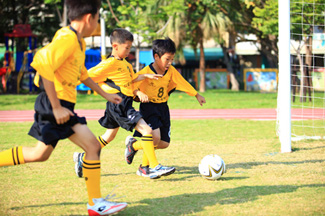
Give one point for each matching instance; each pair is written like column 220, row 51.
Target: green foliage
column 266, row 19
column 42, row 17
column 134, row 15
column 308, row 12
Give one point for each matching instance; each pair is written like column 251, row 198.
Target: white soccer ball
column 212, row 167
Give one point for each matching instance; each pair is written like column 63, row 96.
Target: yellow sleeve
column 48, row 59
column 181, row 84
column 137, row 85
column 100, row 72
column 84, row 73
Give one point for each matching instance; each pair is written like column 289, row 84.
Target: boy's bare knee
column 163, row 145
column 41, row 158
column 147, row 130
column 93, row 149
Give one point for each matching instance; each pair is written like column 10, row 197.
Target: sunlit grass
column 259, row 180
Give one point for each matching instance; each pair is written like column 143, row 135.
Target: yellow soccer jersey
column 158, row 90
column 114, row 75
column 62, row 62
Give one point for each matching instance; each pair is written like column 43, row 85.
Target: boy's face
column 122, row 50
column 164, row 61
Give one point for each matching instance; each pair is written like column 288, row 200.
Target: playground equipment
column 23, row 58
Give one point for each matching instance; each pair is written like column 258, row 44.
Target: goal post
column 301, row 43
column 284, row 87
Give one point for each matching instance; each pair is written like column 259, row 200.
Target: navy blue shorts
column 157, row 116
column 120, row 115
column 45, row 128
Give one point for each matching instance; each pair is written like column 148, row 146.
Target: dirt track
column 256, row 114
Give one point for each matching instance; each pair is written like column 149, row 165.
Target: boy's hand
column 143, row 97
column 152, row 76
column 114, row 98
column 200, row 99
column 62, row 114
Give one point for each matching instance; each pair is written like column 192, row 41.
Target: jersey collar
column 75, row 31
column 153, row 69
column 111, row 56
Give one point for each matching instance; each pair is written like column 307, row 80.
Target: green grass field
column 216, row 99
column 259, row 179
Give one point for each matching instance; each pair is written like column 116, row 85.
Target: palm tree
column 197, row 23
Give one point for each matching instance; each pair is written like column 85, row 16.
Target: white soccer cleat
column 77, row 158
column 160, row 170
column 104, row 207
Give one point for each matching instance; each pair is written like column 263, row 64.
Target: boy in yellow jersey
column 156, row 112
column 115, row 75
column 60, row 65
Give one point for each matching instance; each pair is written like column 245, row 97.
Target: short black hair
column 162, row 46
column 78, row 8
column 120, row 36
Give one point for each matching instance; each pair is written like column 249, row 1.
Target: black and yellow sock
column 11, row 157
column 102, row 142
column 145, row 161
column 149, row 150
column 91, row 172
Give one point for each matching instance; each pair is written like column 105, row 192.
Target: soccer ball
column 212, row 167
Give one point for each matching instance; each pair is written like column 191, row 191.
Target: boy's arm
column 114, row 98
column 200, row 99
column 142, row 96
column 149, row 76
column 61, row 114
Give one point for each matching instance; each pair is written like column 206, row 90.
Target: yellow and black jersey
column 159, row 90
column 62, row 62
column 114, row 75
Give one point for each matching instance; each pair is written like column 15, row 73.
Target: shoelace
column 112, row 196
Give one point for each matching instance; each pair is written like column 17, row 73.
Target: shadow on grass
column 192, row 172
column 310, row 148
column 53, row 204
column 194, row 202
column 249, row 165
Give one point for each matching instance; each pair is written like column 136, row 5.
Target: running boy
column 60, row 66
column 115, row 75
column 156, row 112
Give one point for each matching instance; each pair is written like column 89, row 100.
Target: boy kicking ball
column 155, row 111
column 115, row 75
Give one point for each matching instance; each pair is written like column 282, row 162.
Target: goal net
column 307, row 66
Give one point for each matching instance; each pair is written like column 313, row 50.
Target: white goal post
column 301, row 71
column 284, row 87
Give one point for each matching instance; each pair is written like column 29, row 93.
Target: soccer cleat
column 143, row 171
column 104, row 207
column 129, row 151
column 77, row 158
column 160, row 170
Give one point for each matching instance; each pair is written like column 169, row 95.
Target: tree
column 42, row 17
column 133, row 15
column 306, row 16
column 194, row 22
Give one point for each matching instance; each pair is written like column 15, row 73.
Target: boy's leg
column 156, row 140
column 146, row 142
column 156, row 170
column 107, row 137
column 143, row 169
column 85, row 139
column 21, row 155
